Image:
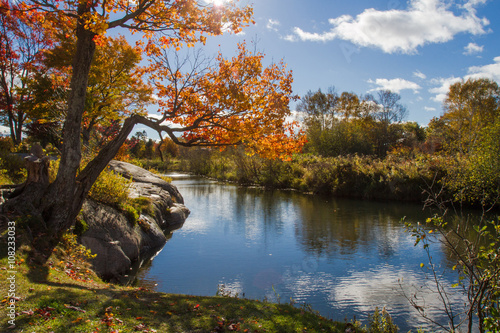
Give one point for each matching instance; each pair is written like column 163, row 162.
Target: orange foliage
column 123, row 154
column 237, row 101
column 162, row 23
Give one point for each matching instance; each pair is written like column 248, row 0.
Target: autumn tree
column 348, row 124
column 43, row 109
column 386, row 110
column 115, row 86
column 167, row 147
column 319, row 108
column 238, row 100
column 21, row 41
column 234, row 101
column 471, row 128
column 470, row 107
column 412, row 134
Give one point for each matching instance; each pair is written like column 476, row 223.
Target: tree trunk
column 64, row 203
column 54, row 207
column 37, row 166
column 52, row 215
column 19, row 128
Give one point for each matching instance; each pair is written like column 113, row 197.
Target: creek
column 341, row 257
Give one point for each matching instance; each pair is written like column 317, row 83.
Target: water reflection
column 343, row 257
column 344, row 227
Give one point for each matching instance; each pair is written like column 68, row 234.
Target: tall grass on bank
column 399, row 176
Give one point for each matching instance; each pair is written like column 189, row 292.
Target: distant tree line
column 346, row 123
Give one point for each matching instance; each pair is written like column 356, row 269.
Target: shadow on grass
column 140, row 310
column 48, row 305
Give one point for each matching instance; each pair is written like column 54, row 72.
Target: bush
column 403, row 175
column 143, row 205
column 133, row 208
column 110, row 188
column 131, row 214
column 72, row 249
column 475, row 254
column 381, row 322
column 320, row 177
column 13, row 169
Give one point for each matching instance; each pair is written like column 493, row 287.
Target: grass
column 65, row 295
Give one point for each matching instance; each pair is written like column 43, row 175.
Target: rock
column 178, row 214
column 138, row 174
column 120, row 244
column 115, row 241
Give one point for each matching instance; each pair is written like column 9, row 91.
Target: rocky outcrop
column 139, row 175
column 120, row 245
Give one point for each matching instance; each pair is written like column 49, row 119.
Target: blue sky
column 416, row 48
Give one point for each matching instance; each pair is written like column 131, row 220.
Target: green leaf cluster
column 477, row 262
column 381, row 322
column 110, row 188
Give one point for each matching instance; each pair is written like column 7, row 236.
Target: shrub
column 4, row 178
column 130, row 213
column 143, row 205
column 473, row 247
column 73, row 249
column 381, row 322
column 6, row 144
column 321, row 177
column 11, row 165
column 110, row 188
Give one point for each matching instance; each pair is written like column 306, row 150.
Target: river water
column 341, row 257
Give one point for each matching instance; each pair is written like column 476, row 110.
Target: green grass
column 64, row 295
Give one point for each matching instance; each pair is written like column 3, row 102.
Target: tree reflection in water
column 344, row 257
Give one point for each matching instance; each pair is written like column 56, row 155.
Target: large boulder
column 121, row 244
column 140, row 175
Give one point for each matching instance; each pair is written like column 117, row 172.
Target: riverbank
column 397, row 177
column 65, row 295
column 402, row 175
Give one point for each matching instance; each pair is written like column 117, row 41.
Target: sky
column 416, row 48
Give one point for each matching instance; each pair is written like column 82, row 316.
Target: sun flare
column 217, row 3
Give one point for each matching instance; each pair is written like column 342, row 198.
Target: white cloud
column 420, row 75
column 491, row 71
column 473, row 48
column 424, row 22
column 395, row 85
column 362, row 289
column 471, row 4
column 217, row 3
column 272, row 24
column 430, row 109
column 442, row 85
